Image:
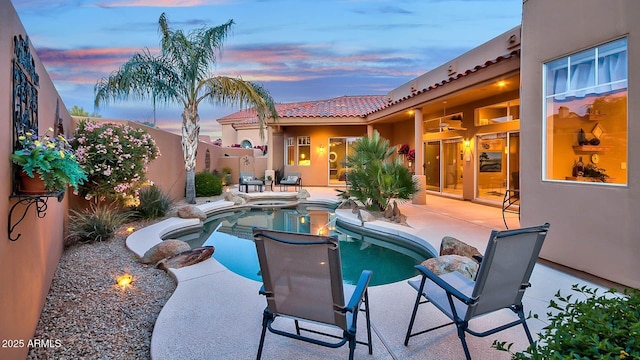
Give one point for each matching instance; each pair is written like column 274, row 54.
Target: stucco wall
column 317, row 173
column 593, row 228
column 167, row 171
column 28, row 264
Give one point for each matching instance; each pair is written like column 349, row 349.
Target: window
column 291, row 152
column 585, row 116
column 498, row 113
column 303, row 151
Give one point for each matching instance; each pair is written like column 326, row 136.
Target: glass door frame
column 348, row 141
column 442, row 166
column 507, row 163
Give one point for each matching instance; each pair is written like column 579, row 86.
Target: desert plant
column 605, row 326
column 208, row 184
column 376, row 175
column 115, row 157
column 97, row 223
column 154, row 203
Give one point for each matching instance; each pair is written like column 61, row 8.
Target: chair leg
column 266, row 318
column 413, row 315
column 368, row 317
column 519, row 310
column 461, row 335
column 352, row 347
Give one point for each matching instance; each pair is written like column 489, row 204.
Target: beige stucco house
column 506, row 118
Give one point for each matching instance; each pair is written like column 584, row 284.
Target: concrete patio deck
column 216, row 314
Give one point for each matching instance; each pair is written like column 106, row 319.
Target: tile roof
column 457, row 76
column 355, row 106
column 343, row 106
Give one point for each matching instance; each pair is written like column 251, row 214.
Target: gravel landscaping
column 89, row 315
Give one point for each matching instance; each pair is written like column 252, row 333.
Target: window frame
column 595, row 89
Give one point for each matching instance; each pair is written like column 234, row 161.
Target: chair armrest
column 444, row 285
column 358, row 293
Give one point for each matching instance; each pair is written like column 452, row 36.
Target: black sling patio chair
column 500, row 283
column 302, row 281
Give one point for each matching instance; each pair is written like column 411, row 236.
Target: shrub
column 207, row 184
column 154, row 203
column 375, row 177
column 597, row 327
column 226, row 175
column 98, row 223
column 115, row 157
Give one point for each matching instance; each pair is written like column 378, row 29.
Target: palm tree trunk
column 190, row 132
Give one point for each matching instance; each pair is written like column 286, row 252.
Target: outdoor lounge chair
column 291, row 179
column 500, row 283
column 247, row 179
column 302, row 280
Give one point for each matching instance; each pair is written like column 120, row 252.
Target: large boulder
column 453, row 246
column 191, row 212
column 450, row 263
column 235, row 198
column 164, row 249
column 186, row 258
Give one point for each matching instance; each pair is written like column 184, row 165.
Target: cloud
column 158, row 3
column 83, row 66
column 389, row 9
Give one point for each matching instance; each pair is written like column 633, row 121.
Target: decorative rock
column 186, row 258
column 234, row 198
column 303, row 194
column 164, row 249
column 453, row 246
column 396, row 211
column 401, row 219
column 366, row 216
column 191, row 212
column 450, row 263
column 388, row 213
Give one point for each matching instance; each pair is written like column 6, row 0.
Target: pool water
column 232, row 236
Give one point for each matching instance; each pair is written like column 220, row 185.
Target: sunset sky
column 298, row 49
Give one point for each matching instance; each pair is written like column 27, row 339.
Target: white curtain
column 575, row 75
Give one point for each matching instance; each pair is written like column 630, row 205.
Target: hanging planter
column 47, row 160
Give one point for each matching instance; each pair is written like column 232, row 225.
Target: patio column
column 270, row 171
column 269, row 147
column 421, row 196
column 369, row 130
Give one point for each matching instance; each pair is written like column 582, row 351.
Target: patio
column 215, row 313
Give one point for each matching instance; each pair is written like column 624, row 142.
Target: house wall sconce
column 321, row 150
column 467, row 150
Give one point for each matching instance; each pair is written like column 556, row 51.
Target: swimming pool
column 390, row 259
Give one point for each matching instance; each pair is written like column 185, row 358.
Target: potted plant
column 50, row 159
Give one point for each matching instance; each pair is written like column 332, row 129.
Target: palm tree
column 375, row 175
column 182, row 74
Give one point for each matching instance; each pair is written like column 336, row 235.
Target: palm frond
column 227, row 90
column 143, row 77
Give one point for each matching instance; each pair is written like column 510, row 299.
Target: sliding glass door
column 338, row 151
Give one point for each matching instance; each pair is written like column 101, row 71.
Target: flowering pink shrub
column 115, row 158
